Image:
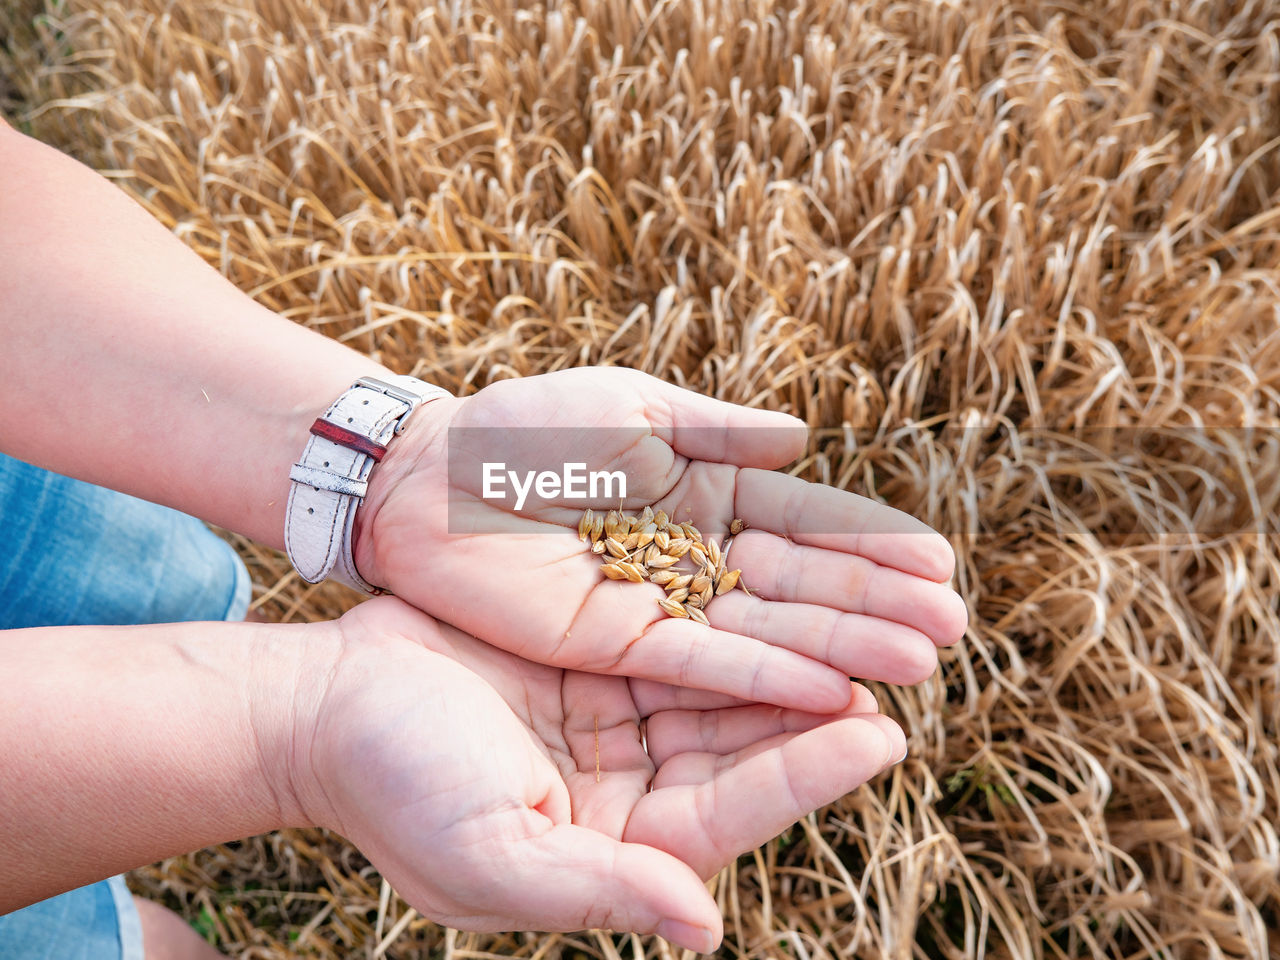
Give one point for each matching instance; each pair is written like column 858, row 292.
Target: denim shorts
column 73, row 553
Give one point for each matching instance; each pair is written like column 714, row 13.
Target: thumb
column 704, row 428
column 573, row 878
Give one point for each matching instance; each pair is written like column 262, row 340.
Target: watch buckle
column 395, row 393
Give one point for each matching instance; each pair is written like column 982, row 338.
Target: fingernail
column 697, row 939
column 897, row 746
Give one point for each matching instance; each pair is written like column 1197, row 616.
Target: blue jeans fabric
column 97, row 922
column 73, row 553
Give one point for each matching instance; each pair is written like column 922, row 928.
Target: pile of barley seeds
column 652, row 546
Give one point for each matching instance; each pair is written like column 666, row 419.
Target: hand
column 843, row 586
column 494, row 793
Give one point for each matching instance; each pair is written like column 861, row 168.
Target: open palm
column 842, row 586
column 495, row 793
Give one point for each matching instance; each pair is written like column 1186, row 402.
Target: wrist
column 331, row 478
column 423, row 442
column 293, row 667
column 338, row 712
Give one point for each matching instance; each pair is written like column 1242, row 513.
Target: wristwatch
column 332, row 477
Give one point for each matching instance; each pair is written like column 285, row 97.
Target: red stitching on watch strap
column 348, row 438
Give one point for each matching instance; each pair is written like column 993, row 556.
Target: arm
column 123, row 745
column 120, row 746
column 131, row 363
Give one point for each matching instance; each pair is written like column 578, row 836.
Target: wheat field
column 1017, row 265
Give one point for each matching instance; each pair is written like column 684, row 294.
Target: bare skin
column 166, row 937
column 843, row 586
column 873, row 600
column 465, row 773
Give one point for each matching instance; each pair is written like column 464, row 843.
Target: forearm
column 123, row 745
column 131, row 363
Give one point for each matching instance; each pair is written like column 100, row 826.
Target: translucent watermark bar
column 1151, row 481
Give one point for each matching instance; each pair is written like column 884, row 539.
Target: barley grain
column 612, row 523
column 675, row 609
column 728, row 581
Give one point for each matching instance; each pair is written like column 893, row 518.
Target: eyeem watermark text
column 573, row 482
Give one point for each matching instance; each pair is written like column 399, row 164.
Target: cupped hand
column 841, row 586
column 494, row 793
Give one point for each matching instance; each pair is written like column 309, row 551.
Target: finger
column 859, row 646
column 572, row 878
column 710, row 809
column 693, row 768
column 782, row 570
column 703, row 428
column 822, row 516
column 673, row 732
column 651, row 696
column 689, row 654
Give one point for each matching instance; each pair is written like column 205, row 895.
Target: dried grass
column 927, row 228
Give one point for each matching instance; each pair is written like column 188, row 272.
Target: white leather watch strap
column 331, row 478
